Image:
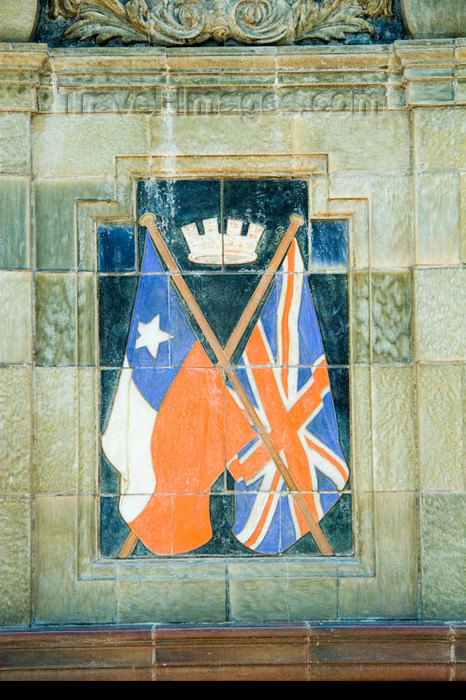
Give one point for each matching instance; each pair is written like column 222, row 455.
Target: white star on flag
column 151, row 335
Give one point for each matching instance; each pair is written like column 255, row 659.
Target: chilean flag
column 166, row 431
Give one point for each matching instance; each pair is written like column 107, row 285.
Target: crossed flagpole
column 225, row 368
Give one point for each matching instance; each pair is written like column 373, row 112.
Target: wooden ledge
column 302, row 652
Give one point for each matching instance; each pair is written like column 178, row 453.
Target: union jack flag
column 284, row 371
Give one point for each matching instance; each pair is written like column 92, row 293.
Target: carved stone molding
column 193, row 22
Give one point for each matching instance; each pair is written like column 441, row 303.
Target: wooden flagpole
column 224, row 356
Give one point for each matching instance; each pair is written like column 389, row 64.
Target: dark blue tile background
column 269, row 203
column 176, row 203
column 116, row 295
column 330, row 295
column 329, row 243
column 266, row 202
column 116, row 251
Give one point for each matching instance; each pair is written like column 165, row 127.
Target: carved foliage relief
column 193, row 22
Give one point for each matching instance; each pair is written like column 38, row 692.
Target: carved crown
column 214, row 248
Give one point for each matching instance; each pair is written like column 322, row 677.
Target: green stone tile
column 342, row 79
column 17, row 97
column 55, row 299
column 440, row 411
column 118, row 98
column 318, row 195
column 443, row 537
column 14, row 222
column 463, row 402
column 288, row 599
column 16, row 429
column 391, row 316
column 25, row 74
column 461, row 91
column 391, row 234
column 55, row 430
column 15, row 317
column 463, row 217
column 396, row 525
column 77, row 145
column 266, row 133
column 360, row 317
column 385, row 137
column 186, row 569
column 86, row 544
column 55, row 235
column 15, row 558
column 86, row 318
column 54, row 547
column 59, row 597
column 425, row 92
column 88, row 429
column 438, row 209
column 439, row 137
column 55, row 245
column 392, row 593
column 440, row 298
column 364, row 532
column 87, row 535
column 94, row 603
column 420, row 72
column 397, row 97
column 390, row 214
column 395, row 457
column 14, row 143
column 172, row 601
column 281, row 567
column 207, row 92
column 361, row 472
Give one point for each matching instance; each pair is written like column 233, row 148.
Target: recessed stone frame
column 314, row 168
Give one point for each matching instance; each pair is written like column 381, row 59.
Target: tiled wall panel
column 383, row 250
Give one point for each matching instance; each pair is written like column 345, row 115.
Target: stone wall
column 378, row 133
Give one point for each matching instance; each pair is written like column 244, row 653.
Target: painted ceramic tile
column 218, row 441
column 116, row 298
column 116, row 249
column 329, row 242
column 330, row 295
